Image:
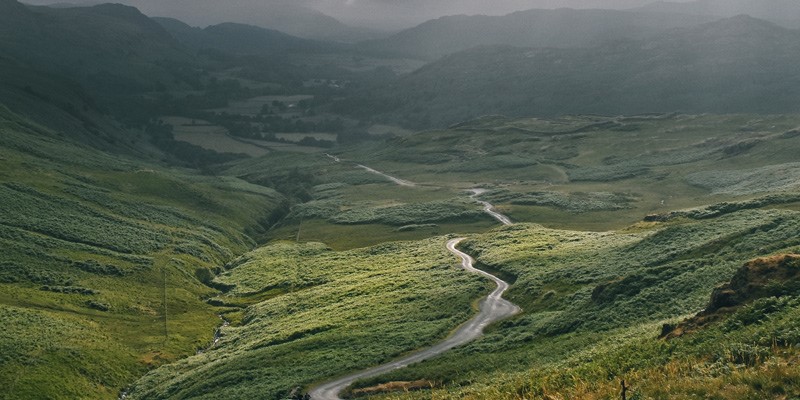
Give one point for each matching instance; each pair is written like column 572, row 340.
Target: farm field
column 296, row 137
column 253, row 106
column 211, row 137
column 217, row 138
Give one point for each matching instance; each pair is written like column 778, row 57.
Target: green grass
column 101, row 233
column 320, row 313
column 93, row 244
column 594, row 303
column 345, row 237
column 599, row 173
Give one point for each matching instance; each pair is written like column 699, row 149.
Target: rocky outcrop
column 774, row 276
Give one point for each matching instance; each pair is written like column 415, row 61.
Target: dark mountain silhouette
column 242, row 39
column 108, row 48
column 562, row 28
column 786, row 12
column 741, row 64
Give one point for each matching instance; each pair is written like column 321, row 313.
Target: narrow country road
column 489, row 208
column 493, row 308
column 401, row 182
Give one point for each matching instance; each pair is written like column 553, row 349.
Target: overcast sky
column 385, row 14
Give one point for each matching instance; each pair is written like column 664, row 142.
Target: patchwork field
column 253, row 106
column 213, row 137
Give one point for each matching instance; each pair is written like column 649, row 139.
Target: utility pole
column 164, row 301
column 624, row 391
column 297, row 239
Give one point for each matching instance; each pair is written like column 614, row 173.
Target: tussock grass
column 317, row 313
column 594, row 304
column 92, row 246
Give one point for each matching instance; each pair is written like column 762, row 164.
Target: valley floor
column 118, row 269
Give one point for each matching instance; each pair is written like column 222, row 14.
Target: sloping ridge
column 774, row 276
column 239, row 38
column 562, row 28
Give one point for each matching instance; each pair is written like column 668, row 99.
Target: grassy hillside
column 599, row 173
column 99, row 245
column 242, row 39
column 346, row 207
column 594, row 305
column 314, row 313
column 105, row 260
column 109, row 48
column 594, row 302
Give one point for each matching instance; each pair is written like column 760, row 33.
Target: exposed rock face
column 764, row 277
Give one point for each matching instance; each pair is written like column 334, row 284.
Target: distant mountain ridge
column 786, row 12
column 81, row 42
column 563, row 28
column 736, row 65
column 242, row 39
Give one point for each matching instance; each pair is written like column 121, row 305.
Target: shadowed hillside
column 735, row 65
column 562, row 28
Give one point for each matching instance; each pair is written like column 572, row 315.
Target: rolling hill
column 741, row 64
column 243, row 39
column 285, row 16
column 104, row 260
column 625, row 225
column 106, row 47
column 561, row 28
column 123, row 276
column 785, row 12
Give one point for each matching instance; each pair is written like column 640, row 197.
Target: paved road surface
column 401, row 182
column 492, row 309
column 489, row 208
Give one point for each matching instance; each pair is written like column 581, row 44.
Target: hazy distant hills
column 564, row 28
column 286, row 17
column 782, row 11
column 236, row 38
column 741, row 64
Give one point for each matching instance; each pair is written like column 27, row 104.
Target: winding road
column 493, row 308
column 401, row 182
column 489, row 208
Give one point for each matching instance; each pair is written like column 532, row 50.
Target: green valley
column 229, row 211
column 104, row 259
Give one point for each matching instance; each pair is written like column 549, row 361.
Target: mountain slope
column 780, row 11
column 740, row 64
column 104, row 261
column 116, row 53
column 564, row 28
column 594, row 301
column 285, row 16
column 242, row 39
